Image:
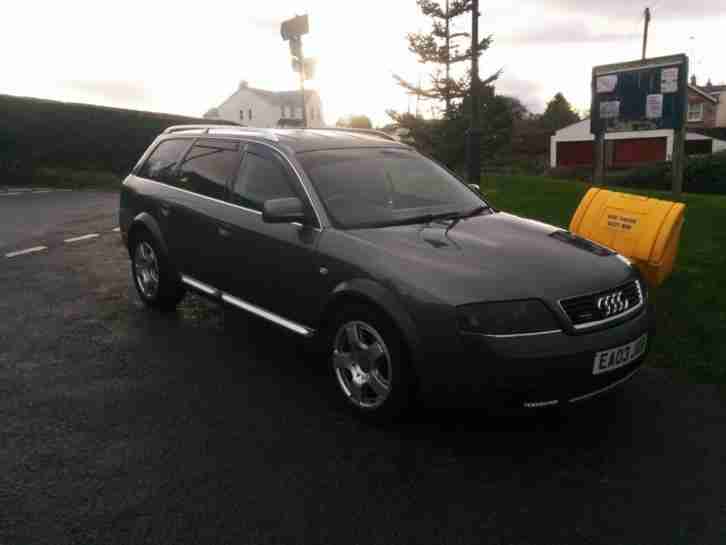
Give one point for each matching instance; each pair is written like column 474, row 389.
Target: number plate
column 607, row 360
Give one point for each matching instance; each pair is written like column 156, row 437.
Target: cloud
column 527, row 91
column 629, row 10
column 111, row 92
column 265, row 23
column 563, row 32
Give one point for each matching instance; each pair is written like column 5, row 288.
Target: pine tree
column 440, row 48
column 559, row 113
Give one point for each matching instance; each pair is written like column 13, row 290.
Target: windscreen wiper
column 475, row 212
column 425, row 218
column 428, row 218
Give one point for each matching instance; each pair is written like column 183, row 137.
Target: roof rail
column 372, row 132
column 221, row 129
column 203, row 128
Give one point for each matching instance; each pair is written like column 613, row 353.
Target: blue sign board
column 640, row 95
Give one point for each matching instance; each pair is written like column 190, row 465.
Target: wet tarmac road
column 122, row 425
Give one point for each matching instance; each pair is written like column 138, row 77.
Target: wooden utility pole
column 678, row 159
column 474, row 133
column 448, row 61
column 598, row 177
column 645, row 30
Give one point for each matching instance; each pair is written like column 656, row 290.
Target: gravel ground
column 206, row 426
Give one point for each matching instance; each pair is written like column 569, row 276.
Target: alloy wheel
column 146, row 269
column 362, row 364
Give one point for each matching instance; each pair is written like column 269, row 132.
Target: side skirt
column 248, row 307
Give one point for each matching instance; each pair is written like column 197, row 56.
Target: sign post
column 648, row 94
column 292, row 30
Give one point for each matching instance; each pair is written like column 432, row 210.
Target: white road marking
column 116, row 229
column 27, row 251
column 25, row 191
column 82, row 237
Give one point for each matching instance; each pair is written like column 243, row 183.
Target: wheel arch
column 146, row 222
column 374, row 294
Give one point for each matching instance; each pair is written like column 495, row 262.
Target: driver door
column 271, row 265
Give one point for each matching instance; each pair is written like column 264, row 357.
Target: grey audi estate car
column 406, row 279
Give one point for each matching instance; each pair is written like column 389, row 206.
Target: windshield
column 377, row 187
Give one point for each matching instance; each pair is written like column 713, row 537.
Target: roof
column 701, row 92
column 277, row 98
column 710, row 88
column 299, row 140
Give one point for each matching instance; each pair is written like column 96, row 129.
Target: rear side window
column 209, row 166
column 260, row 179
column 163, row 160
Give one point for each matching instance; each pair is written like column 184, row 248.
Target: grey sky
column 186, row 57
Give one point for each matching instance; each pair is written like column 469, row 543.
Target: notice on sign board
column 610, row 109
column 606, row 84
column 669, row 80
column 654, row 106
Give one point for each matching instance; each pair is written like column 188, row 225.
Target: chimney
column 243, row 84
column 693, row 80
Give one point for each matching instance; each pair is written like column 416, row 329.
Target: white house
column 261, row 108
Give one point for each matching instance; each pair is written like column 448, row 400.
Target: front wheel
column 370, row 363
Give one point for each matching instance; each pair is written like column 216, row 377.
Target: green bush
column 701, row 174
column 45, row 133
column 706, row 174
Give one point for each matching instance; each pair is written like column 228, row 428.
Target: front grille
column 592, row 309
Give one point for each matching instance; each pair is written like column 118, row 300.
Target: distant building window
column 282, row 111
column 695, row 111
column 312, row 113
column 249, row 114
column 298, row 112
column 241, row 115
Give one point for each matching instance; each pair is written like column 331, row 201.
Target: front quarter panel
column 358, row 268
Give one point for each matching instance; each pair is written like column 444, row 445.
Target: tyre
column 369, row 363
column 156, row 283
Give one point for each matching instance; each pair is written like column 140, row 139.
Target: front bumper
column 545, row 370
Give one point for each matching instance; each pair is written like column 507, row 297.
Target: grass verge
column 690, row 305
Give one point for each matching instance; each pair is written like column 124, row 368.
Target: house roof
column 704, row 94
column 276, row 98
column 710, row 88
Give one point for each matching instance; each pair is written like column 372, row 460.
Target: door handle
column 165, row 210
column 223, row 231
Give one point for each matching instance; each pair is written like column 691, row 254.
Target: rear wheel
column 369, row 363
column 156, row 283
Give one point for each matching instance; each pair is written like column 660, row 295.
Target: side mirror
column 286, row 210
column 475, row 187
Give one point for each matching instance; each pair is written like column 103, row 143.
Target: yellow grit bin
column 643, row 229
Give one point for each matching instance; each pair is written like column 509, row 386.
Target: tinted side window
column 163, row 160
column 260, row 179
column 208, row 166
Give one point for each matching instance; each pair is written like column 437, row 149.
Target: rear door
column 272, row 266
column 161, row 167
column 202, row 180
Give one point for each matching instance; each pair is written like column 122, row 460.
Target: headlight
column 507, row 317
